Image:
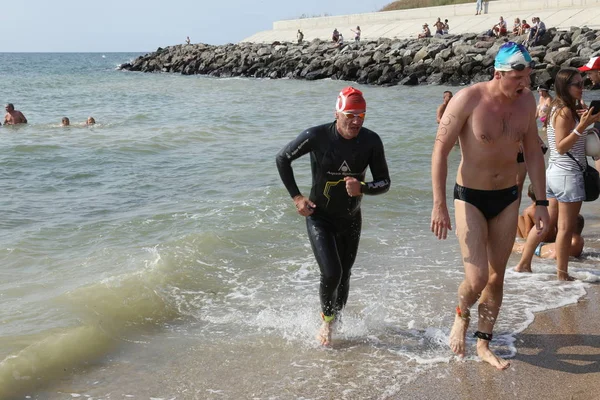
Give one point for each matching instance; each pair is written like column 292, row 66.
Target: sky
column 144, row 25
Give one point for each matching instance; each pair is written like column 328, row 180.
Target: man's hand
column 304, row 206
column 542, row 220
column 440, row 221
column 352, row 186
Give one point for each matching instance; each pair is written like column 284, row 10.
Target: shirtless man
column 13, row 117
column 442, row 107
column 490, row 119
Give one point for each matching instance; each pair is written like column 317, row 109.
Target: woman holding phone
column 566, row 140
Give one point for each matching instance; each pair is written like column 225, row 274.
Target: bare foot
column 522, row 268
column 457, row 335
column 484, row 352
column 324, row 334
column 565, row 277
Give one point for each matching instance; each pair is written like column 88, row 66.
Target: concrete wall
column 407, row 23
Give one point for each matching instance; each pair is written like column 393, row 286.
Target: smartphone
column 595, row 104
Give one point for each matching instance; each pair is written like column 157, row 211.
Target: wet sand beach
column 558, row 357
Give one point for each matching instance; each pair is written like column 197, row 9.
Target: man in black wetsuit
column 340, row 153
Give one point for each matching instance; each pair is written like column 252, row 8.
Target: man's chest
column 499, row 127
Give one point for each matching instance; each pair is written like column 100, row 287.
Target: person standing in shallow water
column 340, row 153
column 490, row 119
column 13, row 117
column 442, row 107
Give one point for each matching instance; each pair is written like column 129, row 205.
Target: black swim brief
column 489, row 202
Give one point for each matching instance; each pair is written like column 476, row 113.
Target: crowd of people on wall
column 520, row 27
column 441, row 28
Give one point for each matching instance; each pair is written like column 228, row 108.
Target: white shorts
column 564, row 186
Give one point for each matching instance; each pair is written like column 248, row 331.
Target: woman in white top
column 564, row 179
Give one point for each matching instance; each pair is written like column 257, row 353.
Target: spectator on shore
column 500, row 28
column 548, row 249
column 90, row 121
column 442, row 107
column 357, row 34
column 300, row 36
column 536, row 31
column 446, row 27
column 65, row 122
column 566, row 139
column 524, row 28
column 516, row 26
column 426, row 32
column 478, row 7
column 592, row 70
column 543, row 108
column 335, row 36
column 13, row 117
column 187, row 40
column 340, row 41
column 439, row 27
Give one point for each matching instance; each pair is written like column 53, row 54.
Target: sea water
column 157, row 254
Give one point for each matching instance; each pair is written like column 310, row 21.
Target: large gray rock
column 452, row 59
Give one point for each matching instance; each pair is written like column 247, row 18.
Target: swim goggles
column 350, row 115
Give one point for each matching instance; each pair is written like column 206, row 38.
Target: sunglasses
column 577, row 84
column 350, row 115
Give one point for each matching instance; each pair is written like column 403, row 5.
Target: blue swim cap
column 513, row 56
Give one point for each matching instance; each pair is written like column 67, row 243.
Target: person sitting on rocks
column 426, row 32
column 516, row 26
column 439, row 27
column 340, row 41
column 336, row 36
column 300, row 36
column 536, row 31
column 524, row 28
column 500, row 28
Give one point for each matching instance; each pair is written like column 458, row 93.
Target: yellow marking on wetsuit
column 327, row 318
column 328, row 186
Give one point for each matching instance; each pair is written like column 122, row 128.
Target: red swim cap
column 350, row 99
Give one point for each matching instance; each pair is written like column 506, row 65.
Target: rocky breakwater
column 449, row 59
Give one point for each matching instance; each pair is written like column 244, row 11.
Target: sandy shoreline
column 558, row 357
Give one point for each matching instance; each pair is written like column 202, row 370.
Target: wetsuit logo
column 344, row 167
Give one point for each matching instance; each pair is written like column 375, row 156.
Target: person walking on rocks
column 357, row 34
column 490, row 119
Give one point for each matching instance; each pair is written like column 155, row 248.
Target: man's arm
column 293, row 150
column 23, row 119
column 534, row 160
column 379, row 169
column 451, row 124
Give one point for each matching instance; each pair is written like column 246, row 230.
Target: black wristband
column 544, row 203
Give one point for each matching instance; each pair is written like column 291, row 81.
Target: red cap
column 593, row 64
column 350, row 99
